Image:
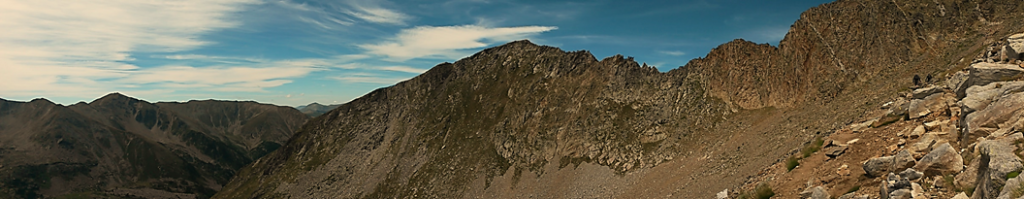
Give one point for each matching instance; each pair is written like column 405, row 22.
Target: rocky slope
column 117, row 146
column 316, row 109
column 521, row 120
column 958, row 138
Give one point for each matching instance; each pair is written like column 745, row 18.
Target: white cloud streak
column 70, row 47
column 447, row 42
column 372, row 11
column 368, row 78
column 673, row 53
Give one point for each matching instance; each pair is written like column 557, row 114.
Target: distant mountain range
column 316, row 109
column 118, row 146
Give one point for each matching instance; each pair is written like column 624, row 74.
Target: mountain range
column 316, row 109
column 117, row 146
column 527, row 121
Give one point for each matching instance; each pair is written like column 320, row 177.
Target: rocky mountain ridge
column 522, row 120
column 118, row 146
column 316, row 109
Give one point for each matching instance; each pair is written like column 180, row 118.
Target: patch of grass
column 853, row 189
column 948, row 179
column 813, row 147
column 762, row 191
column 969, row 191
column 792, row 162
column 1013, row 174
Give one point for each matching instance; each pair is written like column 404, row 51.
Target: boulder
column 995, row 162
column 935, row 125
column 918, row 110
column 921, row 93
column 916, row 191
column 1005, row 112
column 724, row 194
column 917, row 132
column 1013, row 189
column 927, row 142
column 817, row 192
column 961, row 195
column 881, row 165
column 1007, row 54
column 979, row 97
column 854, row 196
column 911, row 174
column 835, row 151
column 983, row 73
column 942, row 160
column 1017, row 43
column 900, row 194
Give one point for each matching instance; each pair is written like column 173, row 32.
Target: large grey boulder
column 935, row 103
column 979, row 97
column 942, row 160
column 1016, row 42
column 817, row 192
column 1007, row 54
column 1006, row 112
column 1013, row 189
column 921, row 93
column 984, row 73
column 961, row 195
column 996, row 160
column 882, row 165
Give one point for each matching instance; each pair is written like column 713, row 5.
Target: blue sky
column 294, row 52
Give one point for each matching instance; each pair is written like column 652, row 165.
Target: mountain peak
column 114, row 97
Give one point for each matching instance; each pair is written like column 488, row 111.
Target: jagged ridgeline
column 118, row 146
column 522, row 120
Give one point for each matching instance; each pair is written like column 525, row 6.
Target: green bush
column 762, row 191
column 792, row 162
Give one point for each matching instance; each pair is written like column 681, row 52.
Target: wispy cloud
column 68, row 45
column 447, row 42
column 223, row 78
column 404, row 69
column 221, row 59
column 673, row 52
column 372, row 11
column 368, row 78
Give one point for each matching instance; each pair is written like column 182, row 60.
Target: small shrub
column 763, row 191
column 792, row 162
column 813, row 147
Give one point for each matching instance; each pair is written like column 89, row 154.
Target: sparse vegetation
column 1012, row 174
column 792, row 162
column 762, row 191
column 813, row 147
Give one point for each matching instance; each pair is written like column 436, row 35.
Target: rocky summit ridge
column 522, row 120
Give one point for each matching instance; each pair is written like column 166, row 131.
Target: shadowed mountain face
column 316, row 109
column 522, row 120
column 118, row 146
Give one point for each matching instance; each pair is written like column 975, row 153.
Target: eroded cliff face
column 522, row 120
